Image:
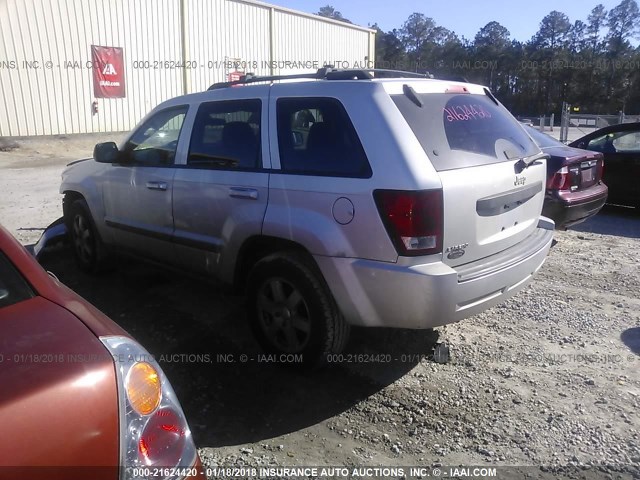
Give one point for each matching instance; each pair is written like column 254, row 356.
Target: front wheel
column 88, row 249
column 292, row 311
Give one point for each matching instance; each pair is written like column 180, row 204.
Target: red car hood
column 58, row 388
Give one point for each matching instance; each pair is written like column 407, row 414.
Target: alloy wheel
column 83, row 240
column 284, row 315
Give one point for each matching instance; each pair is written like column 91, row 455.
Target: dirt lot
column 548, row 381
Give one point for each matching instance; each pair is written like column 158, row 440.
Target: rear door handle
column 157, row 186
column 242, row 192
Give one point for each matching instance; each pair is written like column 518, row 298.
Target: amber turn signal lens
column 143, row 388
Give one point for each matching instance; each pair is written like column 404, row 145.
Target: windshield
column 13, row 287
column 464, row 130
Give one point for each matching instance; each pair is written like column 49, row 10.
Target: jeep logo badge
column 519, row 180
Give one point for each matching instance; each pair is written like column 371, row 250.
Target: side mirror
column 106, row 152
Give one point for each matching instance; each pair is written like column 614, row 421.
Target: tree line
column 589, row 64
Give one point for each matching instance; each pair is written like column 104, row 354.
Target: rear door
column 491, row 202
column 622, row 165
column 221, row 192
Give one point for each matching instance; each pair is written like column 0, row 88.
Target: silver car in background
column 348, row 200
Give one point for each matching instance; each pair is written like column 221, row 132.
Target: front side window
column 155, row 142
column 623, row 142
column 316, row 137
column 226, row 135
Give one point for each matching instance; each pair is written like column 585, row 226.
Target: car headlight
column 153, row 429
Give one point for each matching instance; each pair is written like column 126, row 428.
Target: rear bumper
column 380, row 294
column 573, row 208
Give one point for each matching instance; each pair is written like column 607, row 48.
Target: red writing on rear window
column 465, row 112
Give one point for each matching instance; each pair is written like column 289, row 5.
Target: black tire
column 292, row 311
column 88, row 249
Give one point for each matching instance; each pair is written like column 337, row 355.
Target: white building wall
column 296, row 39
column 56, row 97
column 220, row 31
column 55, row 93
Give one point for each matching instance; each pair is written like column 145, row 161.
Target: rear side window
column 316, row 137
column 464, row 130
column 13, row 287
column 226, row 135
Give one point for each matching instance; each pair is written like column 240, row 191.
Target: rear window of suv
column 464, row 130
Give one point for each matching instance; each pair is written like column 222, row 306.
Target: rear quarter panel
column 301, row 206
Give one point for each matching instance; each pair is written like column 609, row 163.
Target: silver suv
column 341, row 200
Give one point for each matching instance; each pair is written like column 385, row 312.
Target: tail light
column 153, row 429
column 600, row 169
column 561, row 180
column 413, row 219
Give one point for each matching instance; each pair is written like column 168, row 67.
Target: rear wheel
column 292, row 311
column 88, row 249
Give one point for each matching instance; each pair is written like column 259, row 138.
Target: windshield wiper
column 525, row 162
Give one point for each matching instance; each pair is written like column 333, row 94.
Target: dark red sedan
column 80, row 398
column 575, row 190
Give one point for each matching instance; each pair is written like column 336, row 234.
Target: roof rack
column 325, row 73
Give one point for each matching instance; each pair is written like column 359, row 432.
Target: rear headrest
column 321, row 135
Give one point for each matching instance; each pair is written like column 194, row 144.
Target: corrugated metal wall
column 46, row 81
column 221, row 31
column 54, row 95
column 296, row 41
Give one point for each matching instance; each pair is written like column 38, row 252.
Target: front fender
column 84, row 178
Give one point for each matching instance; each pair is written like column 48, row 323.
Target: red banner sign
column 235, row 76
column 108, row 72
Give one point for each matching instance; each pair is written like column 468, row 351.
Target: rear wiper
column 525, row 162
column 488, row 93
column 410, row 92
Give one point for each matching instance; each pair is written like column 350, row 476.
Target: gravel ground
column 548, row 382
